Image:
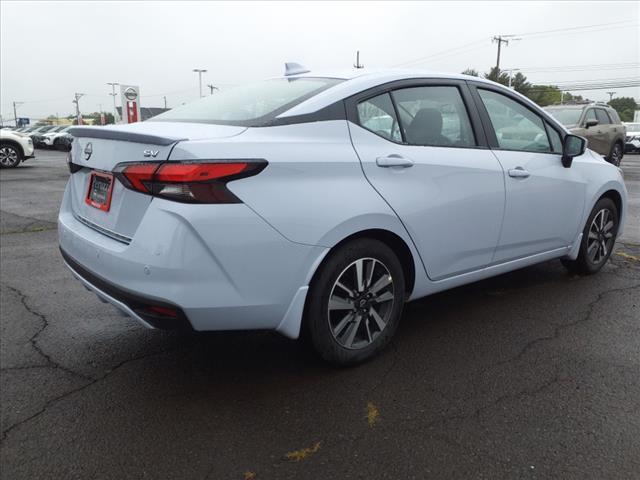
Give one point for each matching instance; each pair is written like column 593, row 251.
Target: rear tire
column 355, row 302
column 617, row 152
column 10, row 156
column 598, row 239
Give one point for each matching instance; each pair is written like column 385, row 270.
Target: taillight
column 191, row 182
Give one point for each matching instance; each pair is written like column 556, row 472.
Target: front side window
column 603, row 118
column 434, row 116
column 249, row 105
column 378, row 115
column 555, row 138
column 516, row 127
column 591, row 115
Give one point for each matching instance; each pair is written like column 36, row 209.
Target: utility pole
column 77, row 97
column 165, row 101
column 358, row 64
column 500, row 39
column 212, row 88
column 113, row 94
column 611, row 94
column 200, row 71
column 15, row 114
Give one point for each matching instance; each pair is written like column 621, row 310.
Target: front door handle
column 394, row 160
column 519, row 172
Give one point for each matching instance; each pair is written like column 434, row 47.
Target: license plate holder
column 100, row 190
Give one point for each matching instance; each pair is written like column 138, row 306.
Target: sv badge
column 151, row 153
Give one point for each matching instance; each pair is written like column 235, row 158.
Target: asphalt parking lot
column 533, row 374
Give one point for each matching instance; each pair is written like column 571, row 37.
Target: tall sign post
column 130, row 96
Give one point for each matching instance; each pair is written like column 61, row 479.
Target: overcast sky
column 49, row 50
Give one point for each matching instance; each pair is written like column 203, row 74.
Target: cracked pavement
column 533, row 374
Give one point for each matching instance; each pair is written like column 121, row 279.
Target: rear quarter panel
column 313, row 190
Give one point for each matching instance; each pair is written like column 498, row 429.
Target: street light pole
column 15, row 114
column 77, row 97
column 113, row 94
column 511, row 70
column 200, row 71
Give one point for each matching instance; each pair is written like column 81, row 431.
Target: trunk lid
column 100, row 149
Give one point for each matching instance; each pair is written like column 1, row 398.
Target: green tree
column 471, row 71
column 544, row 95
column 625, row 106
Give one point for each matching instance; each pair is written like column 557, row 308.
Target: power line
column 582, row 27
column 559, row 31
column 444, row 52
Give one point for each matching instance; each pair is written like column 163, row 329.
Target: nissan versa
column 316, row 205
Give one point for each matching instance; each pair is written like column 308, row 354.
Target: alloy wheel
column 361, row 303
column 600, row 240
column 8, row 157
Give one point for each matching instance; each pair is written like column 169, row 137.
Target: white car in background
column 56, row 138
column 632, row 142
column 14, row 148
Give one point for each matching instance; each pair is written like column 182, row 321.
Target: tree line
column 545, row 95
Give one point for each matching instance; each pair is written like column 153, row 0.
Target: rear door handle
column 394, row 160
column 519, row 172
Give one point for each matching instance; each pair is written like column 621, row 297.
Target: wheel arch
column 13, row 143
column 615, row 196
column 389, row 238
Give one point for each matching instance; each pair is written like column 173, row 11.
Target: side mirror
column 573, row 146
column 590, row 123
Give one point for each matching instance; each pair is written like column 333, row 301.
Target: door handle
column 394, row 160
column 519, row 172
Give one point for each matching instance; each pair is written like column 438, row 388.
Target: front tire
column 598, row 239
column 10, row 156
column 355, row 302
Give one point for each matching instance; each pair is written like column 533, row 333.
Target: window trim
column 488, row 126
column 351, row 107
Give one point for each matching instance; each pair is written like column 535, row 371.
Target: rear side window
column 603, row 118
column 378, row 115
column 516, row 127
column 614, row 116
column 434, row 116
column 249, row 105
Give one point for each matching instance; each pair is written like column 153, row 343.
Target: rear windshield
column 566, row 116
column 249, row 105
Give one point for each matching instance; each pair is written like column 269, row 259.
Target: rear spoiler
column 123, row 136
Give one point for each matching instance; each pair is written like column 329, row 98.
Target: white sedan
column 319, row 203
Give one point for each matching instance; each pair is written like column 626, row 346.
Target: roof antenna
column 291, row 68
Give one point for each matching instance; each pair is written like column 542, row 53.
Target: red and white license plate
column 100, row 190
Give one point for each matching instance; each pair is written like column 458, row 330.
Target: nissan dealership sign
column 130, row 96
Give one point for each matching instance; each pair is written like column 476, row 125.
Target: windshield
column 633, row 127
column 249, row 105
column 566, row 116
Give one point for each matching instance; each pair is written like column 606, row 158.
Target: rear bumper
column 221, row 266
column 128, row 303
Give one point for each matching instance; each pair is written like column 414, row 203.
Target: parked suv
column 598, row 123
column 14, row 148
